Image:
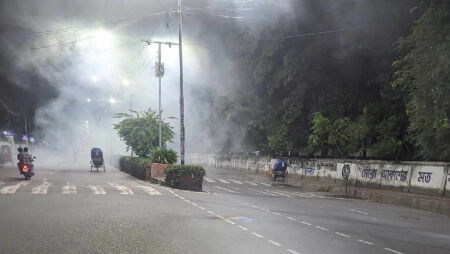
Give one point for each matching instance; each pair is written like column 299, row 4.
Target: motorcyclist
column 19, row 158
column 26, row 158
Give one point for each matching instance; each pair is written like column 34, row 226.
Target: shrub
column 179, row 170
column 135, row 166
column 163, row 155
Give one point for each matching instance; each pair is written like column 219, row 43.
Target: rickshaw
column 97, row 159
column 278, row 173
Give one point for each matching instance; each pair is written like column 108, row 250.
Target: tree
column 140, row 131
column 342, row 136
column 423, row 70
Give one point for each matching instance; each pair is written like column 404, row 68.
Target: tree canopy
column 363, row 92
column 140, row 131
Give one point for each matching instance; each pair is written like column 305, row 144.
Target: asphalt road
column 71, row 210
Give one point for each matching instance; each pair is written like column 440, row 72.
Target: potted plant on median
column 186, row 177
column 161, row 157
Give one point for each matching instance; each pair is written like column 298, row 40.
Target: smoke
column 91, row 53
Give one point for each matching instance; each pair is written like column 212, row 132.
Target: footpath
column 437, row 204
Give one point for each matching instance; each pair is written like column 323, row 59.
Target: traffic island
column 185, row 177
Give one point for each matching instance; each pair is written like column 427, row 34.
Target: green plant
column 134, row 166
column 163, row 155
column 140, row 131
column 179, row 170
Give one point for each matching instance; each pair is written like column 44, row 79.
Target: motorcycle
column 25, row 170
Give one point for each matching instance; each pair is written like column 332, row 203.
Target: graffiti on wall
column 392, row 175
column 294, row 169
column 309, row 171
column 368, row 173
column 346, row 171
column 424, row 177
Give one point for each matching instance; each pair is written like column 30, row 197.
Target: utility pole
column 159, row 72
column 180, row 40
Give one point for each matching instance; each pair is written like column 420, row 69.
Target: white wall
column 407, row 176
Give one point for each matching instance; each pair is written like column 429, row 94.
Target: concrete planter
column 155, row 171
column 185, row 182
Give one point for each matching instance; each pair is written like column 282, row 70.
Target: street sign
column 159, row 69
column 24, row 137
column 32, row 139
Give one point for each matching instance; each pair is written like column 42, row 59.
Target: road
column 71, row 210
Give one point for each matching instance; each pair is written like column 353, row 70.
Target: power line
column 321, row 32
column 99, row 23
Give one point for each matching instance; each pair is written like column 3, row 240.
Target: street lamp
column 88, row 100
column 112, row 100
column 125, row 82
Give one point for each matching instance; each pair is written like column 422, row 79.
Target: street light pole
column 159, row 72
column 180, row 40
column 159, row 78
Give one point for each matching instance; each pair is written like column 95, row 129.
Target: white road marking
column 220, row 216
column 69, row 189
column 321, row 228
column 194, row 204
column 290, row 218
column 341, row 234
column 208, row 180
column 279, row 193
column 235, row 181
column 149, row 190
column 265, row 210
column 211, row 212
column 123, row 189
column 265, row 184
column 296, row 194
column 10, row 189
column 97, row 190
column 255, row 207
column 187, row 201
column 314, row 194
column 231, row 222
column 292, row 251
column 251, row 183
column 176, row 195
column 366, row 242
column 243, row 228
column 276, row 213
column 258, row 235
column 266, row 193
column 274, row 243
column 306, row 223
column 225, row 189
column 181, row 197
column 356, row 211
column 201, row 207
column 223, row 181
column 41, row 189
column 393, row 251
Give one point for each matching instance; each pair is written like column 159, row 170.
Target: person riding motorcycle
column 25, row 158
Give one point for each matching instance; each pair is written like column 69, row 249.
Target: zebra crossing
column 234, row 181
column 45, row 186
column 255, row 186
